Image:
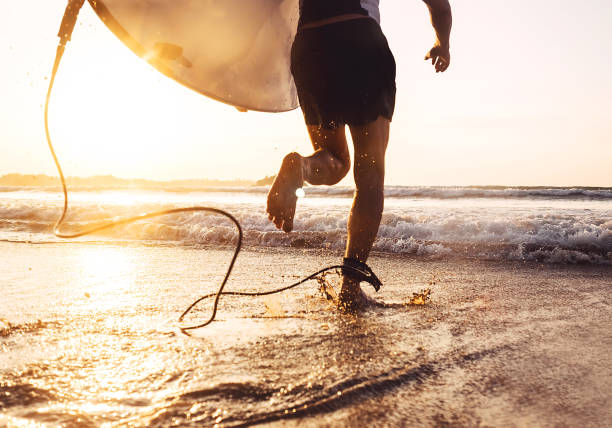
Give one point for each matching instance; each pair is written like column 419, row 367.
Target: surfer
column 345, row 75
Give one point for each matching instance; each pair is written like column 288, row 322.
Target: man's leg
column 370, row 142
column 327, row 165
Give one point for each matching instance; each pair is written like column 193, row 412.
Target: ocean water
column 89, row 334
column 551, row 225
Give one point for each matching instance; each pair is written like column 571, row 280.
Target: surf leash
column 359, row 270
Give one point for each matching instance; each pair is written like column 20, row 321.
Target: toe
column 288, row 225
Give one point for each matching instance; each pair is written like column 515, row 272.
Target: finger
column 441, row 64
column 437, row 64
column 444, row 65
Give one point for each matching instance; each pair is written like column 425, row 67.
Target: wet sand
column 90, row 337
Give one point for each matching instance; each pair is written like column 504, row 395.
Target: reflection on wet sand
column 485, row 350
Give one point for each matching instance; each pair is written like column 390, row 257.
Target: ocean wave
column 503, row 192
column 412, row 192
column 7, row 328
column 559, row 236
column 476, row 192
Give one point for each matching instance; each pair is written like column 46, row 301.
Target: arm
column 442, row 21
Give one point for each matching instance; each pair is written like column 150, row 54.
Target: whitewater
column 550, row 225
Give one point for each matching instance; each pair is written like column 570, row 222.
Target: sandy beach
column 89, row 337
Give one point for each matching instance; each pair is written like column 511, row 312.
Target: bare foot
column 353, row 299
column 282, row 197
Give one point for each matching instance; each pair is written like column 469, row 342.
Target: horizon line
column 109, row 180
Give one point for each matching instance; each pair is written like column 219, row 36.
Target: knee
column 369, row 172
column 339, row 170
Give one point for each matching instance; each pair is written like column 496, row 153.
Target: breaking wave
column 532, row 230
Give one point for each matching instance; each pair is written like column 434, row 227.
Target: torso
column 315, row 13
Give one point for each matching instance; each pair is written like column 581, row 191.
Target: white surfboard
column 235, row 51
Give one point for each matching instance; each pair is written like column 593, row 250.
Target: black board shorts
column 344, row 73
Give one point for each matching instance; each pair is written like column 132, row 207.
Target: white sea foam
column 570, row 230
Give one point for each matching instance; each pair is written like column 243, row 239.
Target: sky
column 527, row 101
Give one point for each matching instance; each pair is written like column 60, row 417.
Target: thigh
column 370, row 140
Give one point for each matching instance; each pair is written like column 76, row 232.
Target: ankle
column 294, row 162
column 293, row 159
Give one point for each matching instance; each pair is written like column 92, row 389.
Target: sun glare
column 105, row 271
column 117, row 198
column 111, row 112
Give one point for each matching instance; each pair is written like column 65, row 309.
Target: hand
column 440, row 58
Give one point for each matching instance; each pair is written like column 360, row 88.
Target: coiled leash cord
column 359, row 270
